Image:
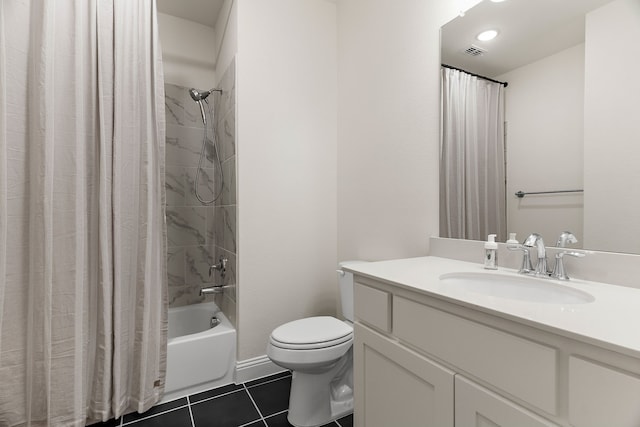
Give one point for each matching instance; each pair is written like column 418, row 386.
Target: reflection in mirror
column 565, row 126
column 472, row 167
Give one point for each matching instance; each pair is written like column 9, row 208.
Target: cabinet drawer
column 601, row 396
column 479, row 407
column 522, row 368
column 373, row 306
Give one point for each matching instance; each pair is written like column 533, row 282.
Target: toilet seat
column 311, row 346
column 308, row 359
column 311, row 333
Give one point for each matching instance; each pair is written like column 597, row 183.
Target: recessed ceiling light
column 497, row 1
column 487, row 35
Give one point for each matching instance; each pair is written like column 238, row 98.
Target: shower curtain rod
column 505, row 84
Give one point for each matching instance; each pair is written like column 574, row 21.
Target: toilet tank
column 345, row 281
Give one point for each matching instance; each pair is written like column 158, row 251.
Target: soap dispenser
column 491, row 253
column 512, row 240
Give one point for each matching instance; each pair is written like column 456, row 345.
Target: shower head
column 197, row 95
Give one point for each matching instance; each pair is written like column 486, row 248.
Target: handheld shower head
column 201, row 95
column 197, row 95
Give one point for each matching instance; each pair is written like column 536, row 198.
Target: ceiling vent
column 474, row 51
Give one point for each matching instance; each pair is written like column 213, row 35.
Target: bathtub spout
column 216, row 289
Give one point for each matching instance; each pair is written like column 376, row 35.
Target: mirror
column 569, row 122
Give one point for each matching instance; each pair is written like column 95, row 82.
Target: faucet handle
column 576, row 254
column 221, row 266
column 559, row 271
column 526, row 267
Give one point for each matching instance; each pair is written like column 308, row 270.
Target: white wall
column 226, row 36
column 612, row 128
column 187, row 52
column 387, row 145
column 286, row 100
column 544, row 110
column 388, row 125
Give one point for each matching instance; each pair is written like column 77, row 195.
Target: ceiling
column 528, row 30
column 203, row 12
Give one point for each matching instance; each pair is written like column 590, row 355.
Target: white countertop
column 611, row 321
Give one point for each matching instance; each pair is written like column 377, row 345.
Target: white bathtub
column 198, row 357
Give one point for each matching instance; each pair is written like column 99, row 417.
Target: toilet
column 319, row 351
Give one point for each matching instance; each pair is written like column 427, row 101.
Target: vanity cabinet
column 420, row 360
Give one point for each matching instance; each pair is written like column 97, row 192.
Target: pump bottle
column 491, row 253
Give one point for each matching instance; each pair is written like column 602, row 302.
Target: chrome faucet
column 566, row 237
column 559, row 271
column 535, row 239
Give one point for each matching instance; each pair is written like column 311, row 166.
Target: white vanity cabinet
column 422, row 360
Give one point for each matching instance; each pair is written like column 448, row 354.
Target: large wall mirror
column 570, row 121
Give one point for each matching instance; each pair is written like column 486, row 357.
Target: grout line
column 215, row 397
column 193, row 423
column 266, row 382
column 278, row 413
column 254, row 421
column 154, row 415
column 254, row 403
column 273, row 415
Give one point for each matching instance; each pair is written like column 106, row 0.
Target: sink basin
column 514, row 287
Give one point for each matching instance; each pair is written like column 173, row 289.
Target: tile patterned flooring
column 262, row 402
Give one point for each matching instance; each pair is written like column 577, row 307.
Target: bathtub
column 198, row 357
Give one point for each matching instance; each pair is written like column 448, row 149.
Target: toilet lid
column 320, row 331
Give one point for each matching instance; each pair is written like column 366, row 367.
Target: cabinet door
column 479, row 407
column 602, row 396
column 395, row 386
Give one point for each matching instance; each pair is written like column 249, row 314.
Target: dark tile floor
column 261, row 402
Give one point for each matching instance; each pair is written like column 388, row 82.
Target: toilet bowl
column 319, row 352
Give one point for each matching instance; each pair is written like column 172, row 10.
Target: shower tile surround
column 198, row 235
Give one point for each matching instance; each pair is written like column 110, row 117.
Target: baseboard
column 257, row 367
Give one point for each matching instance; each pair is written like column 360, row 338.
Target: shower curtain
column 83, row 296
column 472, row 157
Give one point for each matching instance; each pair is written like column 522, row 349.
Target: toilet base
column 319, row 398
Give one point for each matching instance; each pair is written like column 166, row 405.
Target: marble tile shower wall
column 225, row 229
column 198, row 234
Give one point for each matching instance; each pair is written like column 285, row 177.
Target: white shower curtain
column 472, row 157
column 83, row 295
